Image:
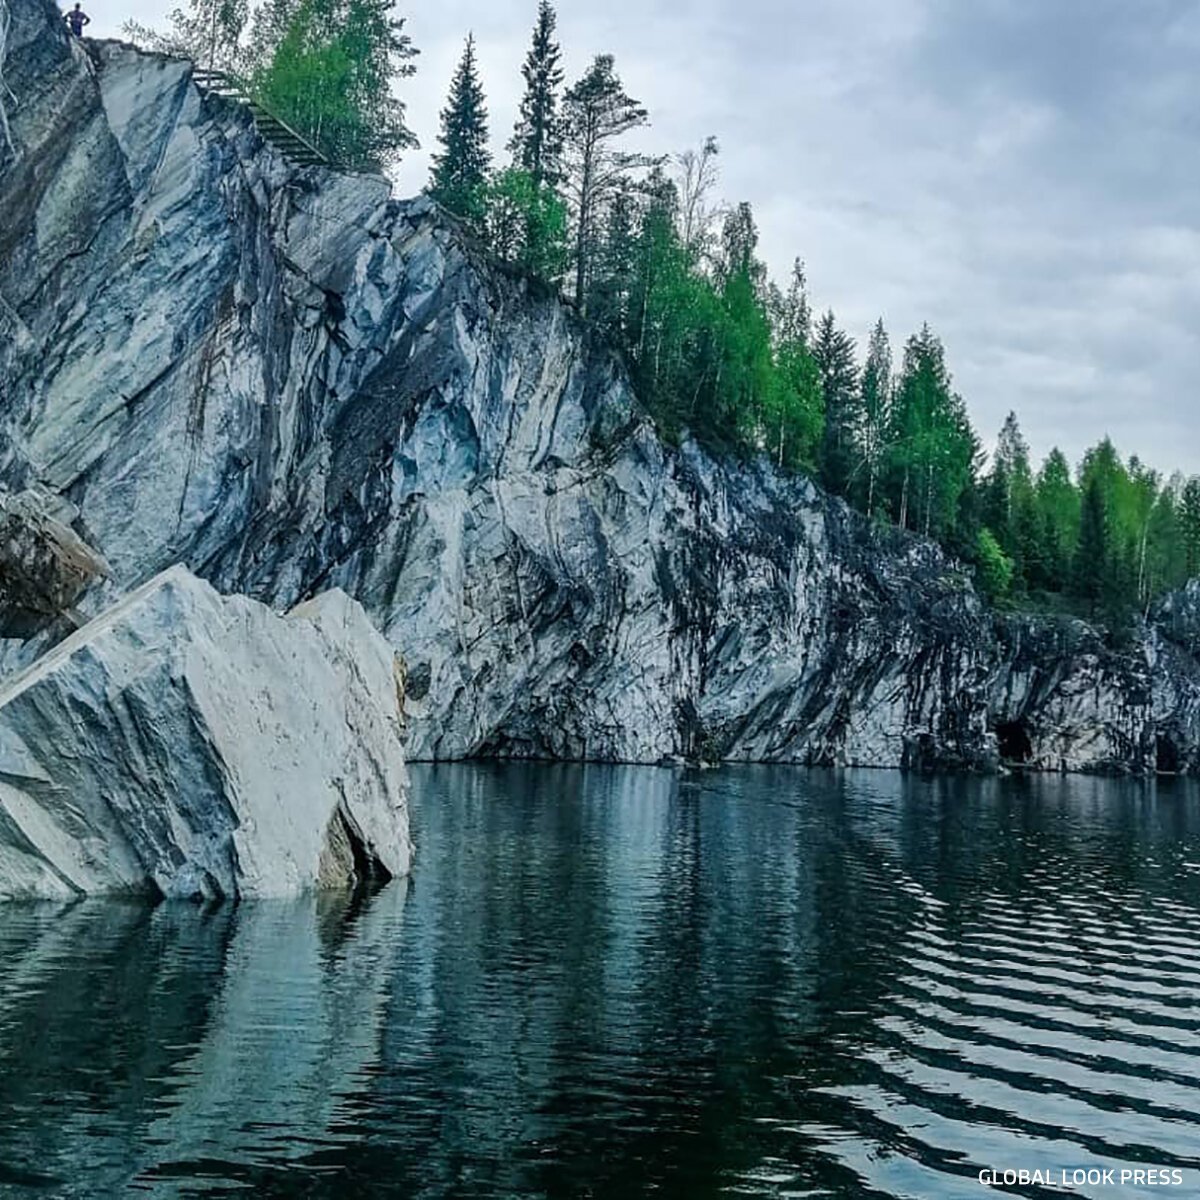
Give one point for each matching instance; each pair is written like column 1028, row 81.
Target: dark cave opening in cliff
column 1014, row 743
column 1166, row 756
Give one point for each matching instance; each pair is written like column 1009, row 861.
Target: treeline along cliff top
column 670, row 274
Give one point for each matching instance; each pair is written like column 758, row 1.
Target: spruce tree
column 1010, row 507
column 739, row 248
column 536, row 144
column 791, row 314
column 612, row 295
column 1189, row 521
column 1057, row 501
column 834, row 351
column 458, row 176
column 1093, row 555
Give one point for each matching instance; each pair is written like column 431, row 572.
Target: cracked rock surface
column 290, row 381
column 190, row 745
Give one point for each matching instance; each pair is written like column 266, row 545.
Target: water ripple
column 624, row 982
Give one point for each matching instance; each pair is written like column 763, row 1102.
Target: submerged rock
column 287, row 380
column 186, row 744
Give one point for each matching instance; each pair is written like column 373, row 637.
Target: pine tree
column 596, row 113
column 833, row 350
column 459, row 172
column 536, row 144
column 1010, row 507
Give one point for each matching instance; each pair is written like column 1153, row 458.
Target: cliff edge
column 290, row 381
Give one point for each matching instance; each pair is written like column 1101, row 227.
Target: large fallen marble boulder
column 186, row 744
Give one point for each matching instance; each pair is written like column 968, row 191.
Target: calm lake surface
column 629, row 981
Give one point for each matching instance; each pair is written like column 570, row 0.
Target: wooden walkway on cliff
column 279, row 134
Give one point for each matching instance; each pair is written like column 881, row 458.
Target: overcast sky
column 1023, row 174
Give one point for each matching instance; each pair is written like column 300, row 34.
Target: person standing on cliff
column 77, row 19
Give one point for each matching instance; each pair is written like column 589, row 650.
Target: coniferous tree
column 597, row 112
column 1057, row 501
column 459, row 172
column 833, row 350
column 613, row 299
column 1093, row 556
column 739, row 248
column 1189, row 520
column 791, row 313
column 536, row 144
column 747, row 382
column 931, row 446
column 875, row 396
column 1009, row 506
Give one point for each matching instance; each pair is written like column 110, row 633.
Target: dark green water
column 626, row 982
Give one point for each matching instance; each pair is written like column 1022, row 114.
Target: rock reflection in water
column 137, row 1042
column 614, row 981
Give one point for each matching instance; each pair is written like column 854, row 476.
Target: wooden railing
column 279, row 134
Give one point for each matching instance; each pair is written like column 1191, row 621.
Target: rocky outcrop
column 289, row 381
column 189, row 745
column 45, row 567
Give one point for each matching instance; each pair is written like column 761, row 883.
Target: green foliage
column 459, row 174
column 208, row 32
column 993, row 568
column 1094, row 553
column 1189, row 527
column 526, row 224
column 710, row 353
column 675, row 282
column 326, row 68
column 537, row 143
column 874, row 407
column 833, row 350
column 1058, row 508
column 930, row 460
column 597, row 113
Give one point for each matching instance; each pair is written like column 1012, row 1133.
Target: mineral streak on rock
column 287, row 380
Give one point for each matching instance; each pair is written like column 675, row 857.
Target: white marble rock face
column 190, row 745
column 287, row 380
